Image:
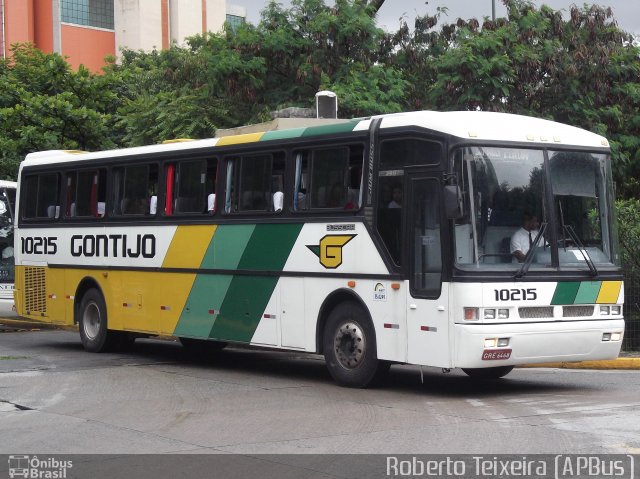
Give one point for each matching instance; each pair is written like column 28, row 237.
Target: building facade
column 86, row 31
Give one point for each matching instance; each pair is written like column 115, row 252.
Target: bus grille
column 576, row 311
column 535, row 312
column 35, row 297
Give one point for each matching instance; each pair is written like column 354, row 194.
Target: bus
column 373, row 241
column 7, row 207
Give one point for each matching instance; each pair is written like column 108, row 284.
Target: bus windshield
column 7, row 202
column 506, row 220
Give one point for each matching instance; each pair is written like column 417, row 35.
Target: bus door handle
column 413, row 306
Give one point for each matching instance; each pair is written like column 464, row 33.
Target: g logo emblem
column 330, row 249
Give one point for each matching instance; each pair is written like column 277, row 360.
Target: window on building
column 234, row 21
column 91, row 13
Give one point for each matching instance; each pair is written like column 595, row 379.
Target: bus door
column 427, row 304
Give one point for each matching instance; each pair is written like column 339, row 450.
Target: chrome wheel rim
column 91, row 321
column 349, row 345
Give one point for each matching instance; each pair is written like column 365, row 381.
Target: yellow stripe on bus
column 609, row 292
column 238, row 139
column 188, row 246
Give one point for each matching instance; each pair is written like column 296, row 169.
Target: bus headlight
column 503, row 342
column 604, row 310
column 503, row 314
column 471, row 314
column 489, row 314
column 490, row 343
column 616, row 336
column 616, row 310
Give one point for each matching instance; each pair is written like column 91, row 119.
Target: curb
column 619, row 363
column 25, row 324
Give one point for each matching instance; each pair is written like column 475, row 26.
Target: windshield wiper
column 528, row 259
column 585, row 254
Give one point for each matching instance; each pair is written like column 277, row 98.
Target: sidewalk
column 625, row 361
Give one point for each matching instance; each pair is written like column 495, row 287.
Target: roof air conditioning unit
column 326, row 104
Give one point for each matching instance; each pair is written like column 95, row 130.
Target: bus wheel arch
column 349, row 342
column 330, row 303
column 85, row 285
column 90, row 313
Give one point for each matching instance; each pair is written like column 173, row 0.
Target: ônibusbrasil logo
column 330, row 249
column 36, row 468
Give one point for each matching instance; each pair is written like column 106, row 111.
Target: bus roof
column 469, row 125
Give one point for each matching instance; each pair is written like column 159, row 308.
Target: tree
column 583, row 71
column 45, row 105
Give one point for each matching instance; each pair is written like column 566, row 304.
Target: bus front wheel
column 92, row 323
column 488, row 373
column 349, row 345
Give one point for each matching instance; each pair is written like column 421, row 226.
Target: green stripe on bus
column 247, row 296
column 565, row 292
column 227, row 246
column 588, row 292
column 330, row 129
column 283, row 134
column 269, row 246
column 208, row 291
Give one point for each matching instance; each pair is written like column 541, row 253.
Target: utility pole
column 493, row 10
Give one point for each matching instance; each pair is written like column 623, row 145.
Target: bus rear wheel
column 349, row 345
column 488, row 373
column 92, row 323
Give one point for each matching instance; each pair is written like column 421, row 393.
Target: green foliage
column 45, row 105
column 628, row 212
column 581, row 70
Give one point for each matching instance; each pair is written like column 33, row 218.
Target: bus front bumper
column 483, row 346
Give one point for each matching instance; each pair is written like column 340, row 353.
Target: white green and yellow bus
column 371, row 241
column 7, row 206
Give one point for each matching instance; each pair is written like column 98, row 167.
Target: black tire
column 349, row 346
column 92, row 323
column 202, row 347
column 488, row 373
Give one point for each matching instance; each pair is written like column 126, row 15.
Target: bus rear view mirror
column 453, row 201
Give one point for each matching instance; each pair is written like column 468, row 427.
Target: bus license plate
column 496, row 354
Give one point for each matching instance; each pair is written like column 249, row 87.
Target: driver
column 522, row 240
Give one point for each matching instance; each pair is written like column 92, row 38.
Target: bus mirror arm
column 453, row 201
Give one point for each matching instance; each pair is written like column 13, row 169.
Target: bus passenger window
column 329, row 178
column 86, row 191
column 189, row 185
column 134, row 190
column 41, row 196
column 252, row 181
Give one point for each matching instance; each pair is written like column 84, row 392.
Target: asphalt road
column 55, row 398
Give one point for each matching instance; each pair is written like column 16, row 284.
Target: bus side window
column 85, row 196
column 328, row 178
column 189, row 186
column 210, row 185
column 41, row 196
column 134, row 190
column 253, row 181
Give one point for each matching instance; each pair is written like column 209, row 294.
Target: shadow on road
column 311, row 370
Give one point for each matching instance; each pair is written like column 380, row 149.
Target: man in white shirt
column 522, row 240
